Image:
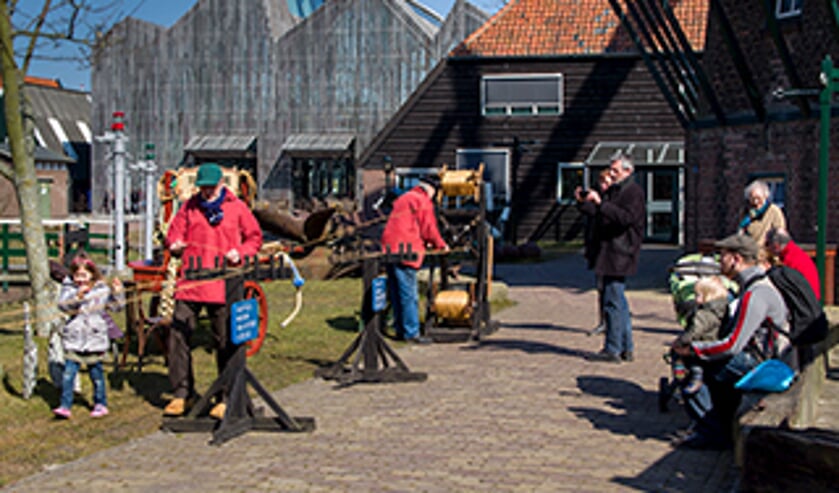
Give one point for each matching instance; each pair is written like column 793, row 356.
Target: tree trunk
column 22, row 146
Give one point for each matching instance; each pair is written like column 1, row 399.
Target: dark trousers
column 180, row 356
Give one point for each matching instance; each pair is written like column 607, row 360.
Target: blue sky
column 165, row 13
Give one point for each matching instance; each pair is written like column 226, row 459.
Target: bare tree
column 23, row 35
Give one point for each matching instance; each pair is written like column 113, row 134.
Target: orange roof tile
column 38, row 81
column 570, row 27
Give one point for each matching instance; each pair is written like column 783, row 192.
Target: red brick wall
column 59, row 188
column 808, row 38
column 722, row 158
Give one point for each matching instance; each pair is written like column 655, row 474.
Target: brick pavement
column 523, row 411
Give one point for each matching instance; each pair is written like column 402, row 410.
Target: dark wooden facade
column 750, row 55
column 607, row 98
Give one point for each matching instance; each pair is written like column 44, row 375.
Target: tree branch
column 39, row 24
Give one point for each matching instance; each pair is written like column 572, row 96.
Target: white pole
column 149, row 169
column 119, row 192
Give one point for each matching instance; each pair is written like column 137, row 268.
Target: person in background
column 213, row 225
column 779, row 244
column 411, row 223
column 592, row 243
column 762, row 214
column 622, row 215
column 85, row 296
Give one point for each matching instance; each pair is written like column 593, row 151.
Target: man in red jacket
column 211, row 226
column 411, row 222
column 780, row 244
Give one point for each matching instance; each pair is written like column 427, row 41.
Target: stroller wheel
column 664, row 394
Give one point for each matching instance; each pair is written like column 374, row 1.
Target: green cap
column 209, row 174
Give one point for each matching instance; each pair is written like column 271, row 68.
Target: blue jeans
column 97, row 377
column 404, row 300
column 712, row 408
column 616, row 314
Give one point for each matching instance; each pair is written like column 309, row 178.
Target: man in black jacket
column 621, row 212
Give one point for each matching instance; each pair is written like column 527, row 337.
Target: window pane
column 526, row 90
column 662, row 224
column 522, row 95
column 570, row 179
column 663, row 184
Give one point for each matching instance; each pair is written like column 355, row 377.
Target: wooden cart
column 143, row 305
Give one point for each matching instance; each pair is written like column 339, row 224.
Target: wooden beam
column 739, row 59
column 688, row 106
column 669, row 52
column 674, row 105
column 692, row 60
column 778, row 459
column 833, row 7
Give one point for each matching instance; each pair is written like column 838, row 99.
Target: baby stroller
column 684, row 274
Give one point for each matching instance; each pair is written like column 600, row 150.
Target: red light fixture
column 118, row 125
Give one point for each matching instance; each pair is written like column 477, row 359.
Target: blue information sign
column 379, row 293
column 244, row 321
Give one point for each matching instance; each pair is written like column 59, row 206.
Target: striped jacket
column 759, row 308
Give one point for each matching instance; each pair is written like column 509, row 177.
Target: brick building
column 755, row 52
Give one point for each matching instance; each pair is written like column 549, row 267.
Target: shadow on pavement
column 538, row 326
column 530, row 347
column 569, row 271
column 636, row 410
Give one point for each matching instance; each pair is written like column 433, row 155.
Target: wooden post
column 240, row 415
column 380, row 361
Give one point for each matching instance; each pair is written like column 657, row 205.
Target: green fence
column 59, row 242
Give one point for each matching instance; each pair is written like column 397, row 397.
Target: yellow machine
column 459, row 310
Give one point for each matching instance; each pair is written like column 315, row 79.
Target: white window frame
column 785, row 9
column 559, row 184
column 529, row 108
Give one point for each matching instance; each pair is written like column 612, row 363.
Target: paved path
column 523, row 411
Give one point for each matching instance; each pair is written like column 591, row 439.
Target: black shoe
column 665, row 392
column 627, row 356
column 597, row 330
column 604, row 356
column 421, row 340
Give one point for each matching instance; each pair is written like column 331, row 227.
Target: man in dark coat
column 622, row 214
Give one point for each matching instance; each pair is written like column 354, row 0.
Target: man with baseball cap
column 742, row 346
column 212, row 226
column 411, row 223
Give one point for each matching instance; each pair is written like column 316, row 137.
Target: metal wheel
column 254, row 290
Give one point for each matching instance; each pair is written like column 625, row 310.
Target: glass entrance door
column 661, row 187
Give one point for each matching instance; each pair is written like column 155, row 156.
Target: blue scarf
column 753, row 214
column 212, row 209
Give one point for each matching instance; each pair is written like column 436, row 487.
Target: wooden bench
column 776, row 445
